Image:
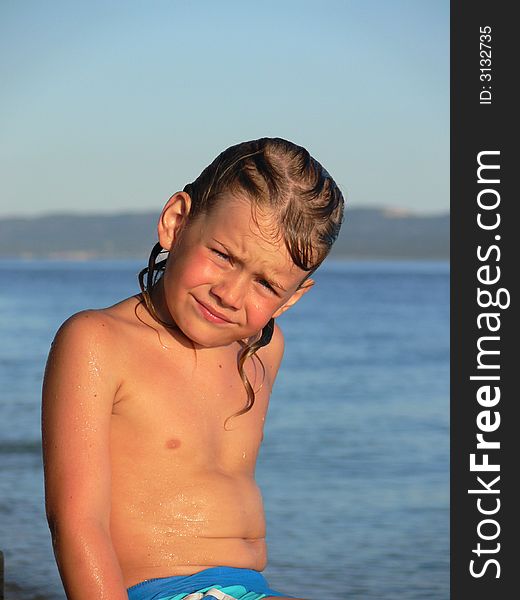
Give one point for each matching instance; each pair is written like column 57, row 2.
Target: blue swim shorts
column 242, row 584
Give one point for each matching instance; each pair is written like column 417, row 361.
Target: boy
column 149, row 452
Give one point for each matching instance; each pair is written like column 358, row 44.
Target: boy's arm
column 78, row 393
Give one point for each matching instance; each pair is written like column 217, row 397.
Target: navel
column 173, row 443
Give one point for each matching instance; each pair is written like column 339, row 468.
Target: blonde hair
column 277, row 175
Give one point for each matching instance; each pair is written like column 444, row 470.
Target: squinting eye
column 220, row 254
column 267, row 285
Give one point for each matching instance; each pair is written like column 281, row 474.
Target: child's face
column 226, row 274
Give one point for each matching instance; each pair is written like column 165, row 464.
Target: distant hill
column 376, row 233
column 368, row 233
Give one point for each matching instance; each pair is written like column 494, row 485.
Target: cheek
column 195, row 270
column 260, row 311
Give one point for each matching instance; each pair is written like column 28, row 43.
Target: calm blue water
column 354, row 465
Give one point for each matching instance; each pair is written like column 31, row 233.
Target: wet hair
column 283, row 179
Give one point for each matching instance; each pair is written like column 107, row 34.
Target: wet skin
column 146, row 455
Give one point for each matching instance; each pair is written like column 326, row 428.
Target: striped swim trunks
column 220, row 583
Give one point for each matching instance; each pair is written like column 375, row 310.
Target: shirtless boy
column 154, row 408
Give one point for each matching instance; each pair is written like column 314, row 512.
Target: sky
column 111, row 106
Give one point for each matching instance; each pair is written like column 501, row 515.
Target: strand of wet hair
column 150, row 271
column 248, row 351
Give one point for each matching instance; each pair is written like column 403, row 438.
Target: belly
column 184, row 523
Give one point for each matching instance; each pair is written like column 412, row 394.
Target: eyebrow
column 241, row 260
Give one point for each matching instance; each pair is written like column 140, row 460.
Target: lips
column 210, row 314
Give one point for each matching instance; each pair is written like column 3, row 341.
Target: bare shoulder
column 93, row 328
column 277, row 344
column 103, row 326
column 85, row 321
column 272, row 354
column 88, row 340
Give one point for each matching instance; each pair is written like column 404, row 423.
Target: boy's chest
column 181, row 405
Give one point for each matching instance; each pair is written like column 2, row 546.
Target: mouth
column 210, row 314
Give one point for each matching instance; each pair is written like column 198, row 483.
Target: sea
column 354, row 467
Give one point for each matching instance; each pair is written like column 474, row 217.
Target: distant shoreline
column 366, row 234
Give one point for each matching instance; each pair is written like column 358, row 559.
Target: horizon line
column 391, row 211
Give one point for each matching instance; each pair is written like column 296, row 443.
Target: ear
column 174, row 215
column 303, row 289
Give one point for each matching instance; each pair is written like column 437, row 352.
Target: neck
column 159, row 305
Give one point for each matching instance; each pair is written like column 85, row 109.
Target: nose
column 230, row 290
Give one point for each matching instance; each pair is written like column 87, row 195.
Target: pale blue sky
column 114, row 105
